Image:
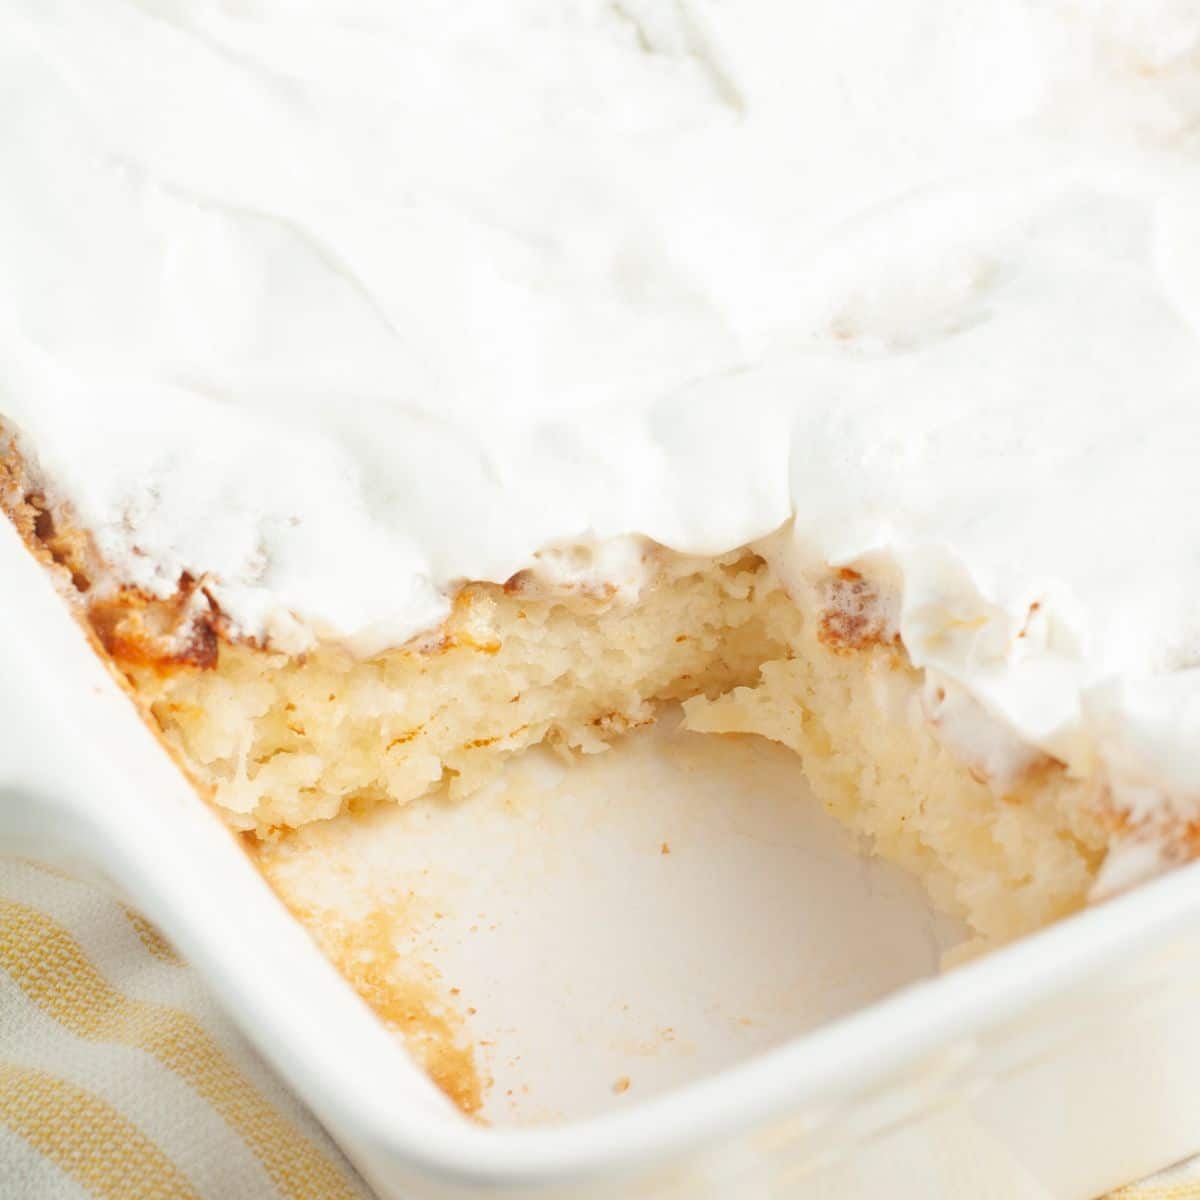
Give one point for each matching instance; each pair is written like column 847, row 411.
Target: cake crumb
column 621, row 1085
column 665, row 848
column 365, row 952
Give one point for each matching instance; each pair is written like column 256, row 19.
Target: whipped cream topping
column 339, row 303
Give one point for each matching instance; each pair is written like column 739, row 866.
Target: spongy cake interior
column 284, row 740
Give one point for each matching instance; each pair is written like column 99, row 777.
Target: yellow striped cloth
column 118, row 1076
column 120, row 1079
column 1180, row 1183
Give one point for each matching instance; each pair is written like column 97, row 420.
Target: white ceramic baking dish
column 1065, row 1065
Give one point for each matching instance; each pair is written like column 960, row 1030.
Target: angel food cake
column 393, row 387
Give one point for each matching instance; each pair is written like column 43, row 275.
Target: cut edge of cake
column 276, row 740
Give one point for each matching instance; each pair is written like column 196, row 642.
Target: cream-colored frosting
column 338, row 303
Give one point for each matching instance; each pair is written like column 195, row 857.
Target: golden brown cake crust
column 852, row 617
column 135, row 628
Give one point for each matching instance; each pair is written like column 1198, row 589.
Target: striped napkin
column 120, row 1079
column 1179, row 1183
